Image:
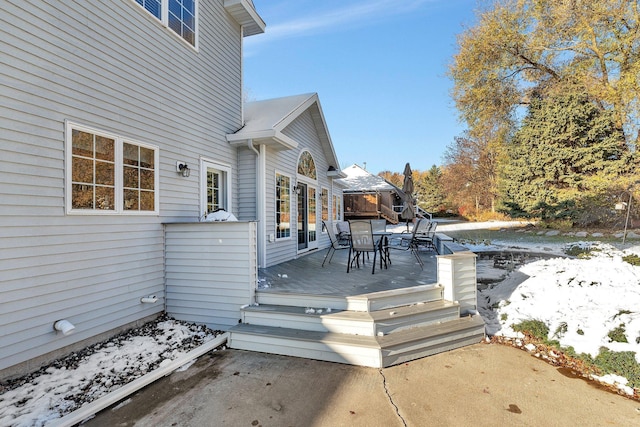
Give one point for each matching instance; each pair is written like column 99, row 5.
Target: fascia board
column 245, row 14
column 297, row 111
column 269, row 137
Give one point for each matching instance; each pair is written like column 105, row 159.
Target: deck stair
column 377, row 329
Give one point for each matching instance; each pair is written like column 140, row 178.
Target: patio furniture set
column 362, row 237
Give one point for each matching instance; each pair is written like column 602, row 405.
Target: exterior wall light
column 182, row 168
column 297, row 189
column 63, row 326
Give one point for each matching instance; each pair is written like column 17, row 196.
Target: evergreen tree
column 428, row 189
column 565, row 161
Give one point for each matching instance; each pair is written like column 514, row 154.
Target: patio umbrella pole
column 408, row 212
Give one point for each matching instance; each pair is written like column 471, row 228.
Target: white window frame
column 291, row 201
column 118, row 180
column 164, row 20
column 336, row 207
column 322, row 191
column 226, row 171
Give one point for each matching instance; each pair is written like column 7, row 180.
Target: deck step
column 425, row 341
column 364, row 302
column 331, row 347
column 372, row 323
column 372, row 351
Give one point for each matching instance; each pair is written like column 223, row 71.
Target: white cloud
column 359, row 13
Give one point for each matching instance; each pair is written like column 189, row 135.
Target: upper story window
column 109, row 174
column 306, row 165
column 179, row 15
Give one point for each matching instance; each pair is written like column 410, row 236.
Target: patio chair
column 425, row 239
column 380, row 226
column 411, row 242
column 343, row 231
column 362, row 242
column 336, row 244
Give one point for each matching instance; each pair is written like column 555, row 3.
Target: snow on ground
column 65, row 385
column 581, row 300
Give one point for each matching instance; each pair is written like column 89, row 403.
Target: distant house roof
column 359, row 180
column 265, row 121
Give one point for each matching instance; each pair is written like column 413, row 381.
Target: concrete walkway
column 479, row 385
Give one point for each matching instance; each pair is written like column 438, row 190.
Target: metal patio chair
column 362, row 242
column 343, row 231
column 426, row 238
column 336, row 243
column 380, row 226
column 412, row 241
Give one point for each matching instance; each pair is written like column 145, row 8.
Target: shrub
column 618, row 334
column 620, row 363
column 503, row 317
column 535, row 328
column 632, row 259
column 578, row 251
column 561, row 330
column 580, row 332
column 556, row 224
column 621, row 312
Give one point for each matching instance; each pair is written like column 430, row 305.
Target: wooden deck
column 393, row 316
column 306, row 274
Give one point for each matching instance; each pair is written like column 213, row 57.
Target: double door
column 307, row 217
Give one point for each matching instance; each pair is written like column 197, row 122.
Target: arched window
column 306, row 165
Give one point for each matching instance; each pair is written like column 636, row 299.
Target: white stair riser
column 420, row 352
column 434, row 294
column 436, row 341
column 367, row 302
column 302, row 300
column 391, row 325
column 355, row 354
column 329, row 323
column 309, row 323
column 339, row 353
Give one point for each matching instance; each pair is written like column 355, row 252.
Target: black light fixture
column 183, row 169
column 297, row 188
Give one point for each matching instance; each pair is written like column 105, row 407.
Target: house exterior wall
column 111, row 66
column 211, row 271
column 247, row 172
column 302, row 130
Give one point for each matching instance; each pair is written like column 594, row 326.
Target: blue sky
column 378, row 66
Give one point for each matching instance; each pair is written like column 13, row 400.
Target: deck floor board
column 306, row 274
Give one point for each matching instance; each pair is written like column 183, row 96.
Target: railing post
column 457, row 275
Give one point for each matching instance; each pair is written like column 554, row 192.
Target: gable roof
column 265, row 121
column 360, row 180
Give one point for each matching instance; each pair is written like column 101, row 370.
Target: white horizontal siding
column 109, row 66
column 303, row 130
column 246, row 202
column 211, row 271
